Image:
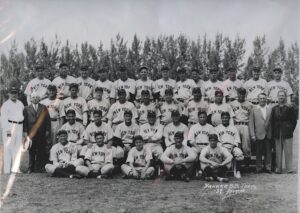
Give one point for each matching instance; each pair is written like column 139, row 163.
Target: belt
column 202, row 144
column 163, row 123
column 54, row 119
column 254, row 102
column 274, row 102
column 241, row 123
column 15, row 122
column 78, row 119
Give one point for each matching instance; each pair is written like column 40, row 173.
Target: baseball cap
column 63, row 65
column 100, row 89
column 151, row 114
column 175, row 113
column 169, row 92
column 99, row 112
column 128, row 112
column 218, row 92
column 51, row 87
column 39, row 67
column 241, row 91
column 181, row 70
column 73, row 85
column 61, row 132
column 277, row 69
column 143, row 67
column 178, row 135
column 213, row 137
column 145, row 92
column 71, row 111
column 196, row 90
column 121, row 91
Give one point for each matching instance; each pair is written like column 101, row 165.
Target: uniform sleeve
column 130, row 158
column 159, row 134
column 186, row 132
column 191, row 135
column 53, row 156
column 110, row 113
column 148, row 156
column 166, row 135
column 84, row 106
column 191, row 155
column 4, row 119
column 289, row 90
column 165, row 156
column 62, row 112
column 134, row 111
column 113, row 92
column 28, row 89
column 109, row 156
column 237, row 139
column 88, row 155
column 117, row 132
column 225, row 153
column 132, row 87
column 74, row 154
column 110, row 134
column 203, row 154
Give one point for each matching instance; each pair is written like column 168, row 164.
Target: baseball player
column 63, row 81
column 115, row 114
column 86, row 84
column 76, row 103
column 152, row 133
column 215, row 160
column 162, row 84
column 167, row 107
column 231, row 85
column 54, row 106
column 124, row 133
column 143, row 84
column 210, row 86
column 215, row 109
column 97, row 126
column 74, row 129
column 255, row 86
column 195, row 76
column 172, row 128
column 12, row 128
column 230, row 139
column 274, row 86
column 178, row 159
column 184, row 87
column 241, row 110
column 104, row 83
column 98, row 103
column 194, row 106
column 125, row 83
column 38, row 85
column 138, row 163
column 63, row 158
column 98, row 160
column 198, row 133
column 145, row 106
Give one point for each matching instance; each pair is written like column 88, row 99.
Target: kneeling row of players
column 100, row 160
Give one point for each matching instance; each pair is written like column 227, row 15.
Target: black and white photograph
column 149, row 106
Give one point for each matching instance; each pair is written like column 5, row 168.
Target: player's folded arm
column 117, row 142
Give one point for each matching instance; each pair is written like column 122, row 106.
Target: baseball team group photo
column 150, row 124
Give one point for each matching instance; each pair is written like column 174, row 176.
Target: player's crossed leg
column 138, row 173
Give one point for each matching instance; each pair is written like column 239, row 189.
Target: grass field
column 252, row 193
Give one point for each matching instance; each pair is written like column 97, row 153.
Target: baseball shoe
column 238, row 175
column 220, row 179
column 185, row 178
column 209, row 178
column 169, row 177
column 75, row 176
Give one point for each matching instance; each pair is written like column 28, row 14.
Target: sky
column 92, row 21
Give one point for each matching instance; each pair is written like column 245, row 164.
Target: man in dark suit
column 260, row 132
column 37, row 125
column 283, row 122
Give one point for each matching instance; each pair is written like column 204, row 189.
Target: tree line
column 165, row 50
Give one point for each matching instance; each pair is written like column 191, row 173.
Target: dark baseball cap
column 151, row 114
column 62, row 132
column 51, row 87
column 213, row 137
column 175, row 113
column 179, row 135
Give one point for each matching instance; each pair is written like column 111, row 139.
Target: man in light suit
column 37, row 126
column 260, row 132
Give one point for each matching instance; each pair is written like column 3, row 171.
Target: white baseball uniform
column 12, row 121
column 128, row 86
column 126, row 133
column 192, row 109
column 241, row 119
column 230, row 139
column 86, row 87
column 218, row 155
column 92, row 128
column 78, row 104
column 54, row 108
column 254, row 88
column 273, row 87
column 216, row 110
column 75, row 133
column 143, row 112
column 115, row 114
column 184, row 89
column 161, row 85
column 230, row 87
column 209, row 88
column 144, row 85
column 106, row 86
column 198, row 136
column 166, row 110
column 38, row 86
column 171, row 129
column 102, row 105
column 62, row 85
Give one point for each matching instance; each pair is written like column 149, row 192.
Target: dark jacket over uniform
column 283, row 121
column 37, row 124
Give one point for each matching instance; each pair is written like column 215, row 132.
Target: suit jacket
column 37, row 123
column 284, row 121
column 258, row 126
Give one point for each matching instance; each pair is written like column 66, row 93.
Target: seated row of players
column 182, row 88
column 128, row 140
